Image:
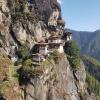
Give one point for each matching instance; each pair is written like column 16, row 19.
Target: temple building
column 56, row 43
column 38, row 58
column 67, row 36
column 41, row 52
column 54, row 39
column 41, row 48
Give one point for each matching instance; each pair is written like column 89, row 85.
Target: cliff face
column 24, row 23
column 58, row 83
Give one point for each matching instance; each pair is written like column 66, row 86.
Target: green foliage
column 17, row 7
column 91, row 60
column 19, row 14
column 56, row 56
column 0, row 45
column 20, row 6
column 53, row 55
column 93, row 86
column 30, row 16
column 30, row 70
column 18, row 62
column 92, row 66
column 26, row 15
column 4, row 68
column 27, row 66
column 3, row 87
column 23, row 52
column 16, row 16
column 89, row 42
column 81, row 98
column 73, row 54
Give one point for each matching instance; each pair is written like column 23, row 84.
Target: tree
column 23, row 52
column 93, row 86
column 73, row 54
column 27, row 64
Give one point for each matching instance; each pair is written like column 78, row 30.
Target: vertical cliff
column 58, row 83
column 25, row 22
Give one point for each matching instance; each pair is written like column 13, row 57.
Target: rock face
column 18, row 25
column 20, row 33
column 58, row 83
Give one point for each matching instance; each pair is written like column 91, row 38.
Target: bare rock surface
column 57, row 83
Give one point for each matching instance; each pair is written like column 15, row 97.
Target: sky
column 81, row 15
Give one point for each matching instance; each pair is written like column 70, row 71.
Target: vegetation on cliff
column 93, row 86
column 73, row 54
column 5, row 64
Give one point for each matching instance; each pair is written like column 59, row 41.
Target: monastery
column 52, row 43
